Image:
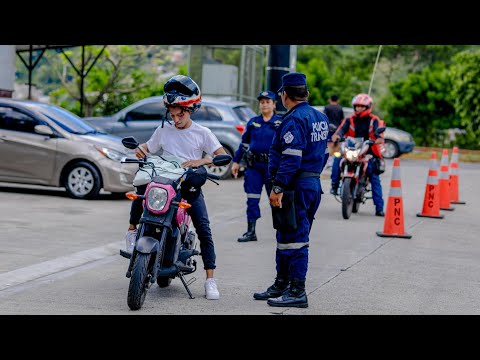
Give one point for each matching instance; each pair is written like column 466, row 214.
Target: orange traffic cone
column 431, row 201
column 454, row 178
column 393, row 225
column 444, row 183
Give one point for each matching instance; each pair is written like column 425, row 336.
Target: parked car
column 226, row 119
column 42, row 144
column 397, row 142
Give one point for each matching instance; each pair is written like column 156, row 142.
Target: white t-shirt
column 188, row 143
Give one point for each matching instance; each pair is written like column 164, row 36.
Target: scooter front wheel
column 139, row 281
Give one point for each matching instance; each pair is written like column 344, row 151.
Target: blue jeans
column 200, row 221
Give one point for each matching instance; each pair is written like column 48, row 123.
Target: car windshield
column 244, row 113
column 65, row 119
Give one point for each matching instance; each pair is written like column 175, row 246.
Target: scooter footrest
column 183, row 268
column 125, row 254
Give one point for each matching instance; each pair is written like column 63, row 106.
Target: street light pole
column 374, row 69
column 279, row 64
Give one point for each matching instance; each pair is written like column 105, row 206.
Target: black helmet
column 183, row 92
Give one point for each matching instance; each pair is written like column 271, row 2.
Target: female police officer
column 297, row 157
column 256, row 141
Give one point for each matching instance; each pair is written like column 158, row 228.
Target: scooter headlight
column 157, row 198
column 352, row 155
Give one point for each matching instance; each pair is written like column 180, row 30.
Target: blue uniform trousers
column 292, row 247
column 255, row 179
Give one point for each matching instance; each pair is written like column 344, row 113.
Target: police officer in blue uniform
column 297, row 157
column 256, row 141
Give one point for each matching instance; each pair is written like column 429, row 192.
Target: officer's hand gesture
column 235, row 167
column 276, row 199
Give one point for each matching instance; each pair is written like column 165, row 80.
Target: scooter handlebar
column 132, row 161
column 213, row 176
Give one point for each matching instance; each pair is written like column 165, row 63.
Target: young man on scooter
column 186, row 139
column 362, row 124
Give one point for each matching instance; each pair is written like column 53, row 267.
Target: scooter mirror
column 222, row 160
column 130, row 142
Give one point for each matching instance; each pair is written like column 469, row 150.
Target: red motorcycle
column 354, row 183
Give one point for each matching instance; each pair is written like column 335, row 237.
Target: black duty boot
column 279, row 287
column 295, row 297
column 250, row 234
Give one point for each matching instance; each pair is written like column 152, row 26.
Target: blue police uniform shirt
column 300, row 143
column 258, row 136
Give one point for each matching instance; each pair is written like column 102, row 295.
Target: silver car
column 42, row 144
column 226, row 119
column 397, row 142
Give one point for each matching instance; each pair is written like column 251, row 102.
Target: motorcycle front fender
column 348, row 173
column 147, row 245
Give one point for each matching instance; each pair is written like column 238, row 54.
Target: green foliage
column 115, row 77
column 334, row 69
column 422, row 104
column 227, row 56
column 412, row 87
column 465, row 74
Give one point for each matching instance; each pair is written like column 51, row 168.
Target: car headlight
column 352, row 155
column 157, row 198
column 111, row 154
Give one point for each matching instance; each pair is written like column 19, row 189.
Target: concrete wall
column 7, row 70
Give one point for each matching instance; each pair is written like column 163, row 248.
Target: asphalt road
column 60, row 256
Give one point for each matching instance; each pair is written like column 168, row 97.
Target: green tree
column 344, row 70
column 122, row 74
column 422, row 104
column 465, row 75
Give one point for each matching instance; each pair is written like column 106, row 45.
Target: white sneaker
column 130, row 238
column 211, row 290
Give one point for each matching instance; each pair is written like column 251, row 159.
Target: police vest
column 376, row 149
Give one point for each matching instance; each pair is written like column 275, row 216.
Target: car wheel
column 391, row 149
column 82, row 181
column 224, row 172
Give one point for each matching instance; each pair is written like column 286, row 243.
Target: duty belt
column 305, row 174
column 260, row 157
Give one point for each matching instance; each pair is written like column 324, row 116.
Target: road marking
column 36, row 271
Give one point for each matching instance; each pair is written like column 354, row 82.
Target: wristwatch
column 277, row 189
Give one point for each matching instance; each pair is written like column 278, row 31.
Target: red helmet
column 364, row 100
